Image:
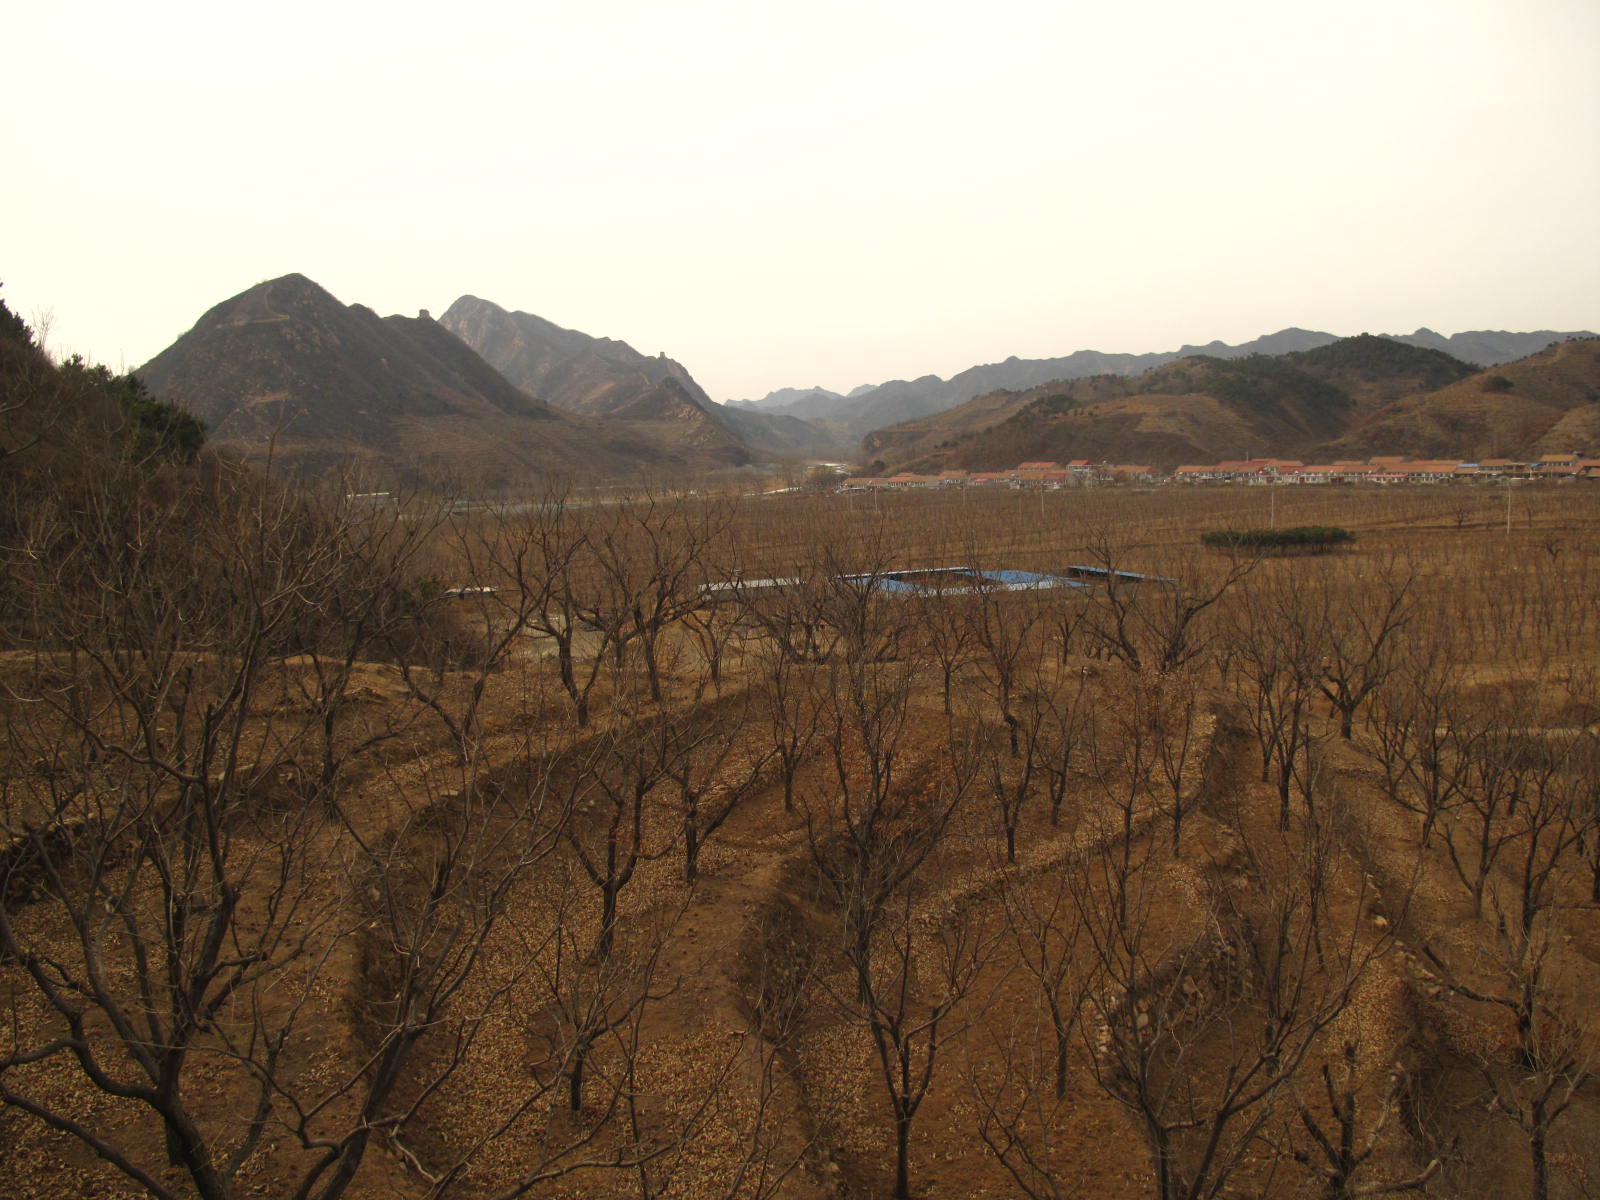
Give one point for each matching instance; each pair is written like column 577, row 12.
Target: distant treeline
column 1303, row 539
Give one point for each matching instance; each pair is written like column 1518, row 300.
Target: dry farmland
column 628, row 849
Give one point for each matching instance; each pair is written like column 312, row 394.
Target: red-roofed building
column 1130, row 474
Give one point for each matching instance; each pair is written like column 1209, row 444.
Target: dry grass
column 708, row 1072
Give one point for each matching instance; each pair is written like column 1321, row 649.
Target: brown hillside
column 1354, row 398
column 1191, row 410
column 1162, row 430
column 1543, row 404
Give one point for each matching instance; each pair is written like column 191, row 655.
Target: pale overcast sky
column 821, row 193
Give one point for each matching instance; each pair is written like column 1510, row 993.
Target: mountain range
column 867, row 409
column 286, row 371
column 1354, row 397
column 487, row 396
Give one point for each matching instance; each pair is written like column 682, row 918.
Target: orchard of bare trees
column 650, row 844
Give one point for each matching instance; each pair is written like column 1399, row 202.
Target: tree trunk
column 902, row 1149
column 691, row 849
column 608, row 922
column 648, row 645
column 580, row 1055
column 1063, row 1047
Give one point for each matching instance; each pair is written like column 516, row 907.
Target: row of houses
column 1079, row 472
column 1389, row 469
column 1384, row 469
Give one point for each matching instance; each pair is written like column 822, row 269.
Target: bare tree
column 1244, row 983
column 873, row 823
column 649, row 567
column 1155, row 621
column 171, row 909
column 1065, row 724
column 1417, row 738
column 1523, row 976
column 1344, row 1146
column 945, row 628
column 368, row 604
column 555, row 539
column 1010, row 768
column 1017, row 1116
column 792, row 712
column 1046, row 927
column 1277, row 651
column 612, row 781
column 1007, row 651
column 1363, row 620
column 909, row 985
column 1174, row 709
column 585, row 998
column 503, row 596
column 712, row 768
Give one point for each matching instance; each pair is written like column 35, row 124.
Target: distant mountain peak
column 332, row 371
column 596, row 376
column 572, row 370
column 285, row 368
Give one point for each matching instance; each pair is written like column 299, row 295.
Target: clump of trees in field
column 1302, row 539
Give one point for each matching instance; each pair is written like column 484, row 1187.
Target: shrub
column 1303, row 539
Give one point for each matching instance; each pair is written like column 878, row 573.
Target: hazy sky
column 816, row 193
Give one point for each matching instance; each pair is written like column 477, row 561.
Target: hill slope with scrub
column 1351, row 398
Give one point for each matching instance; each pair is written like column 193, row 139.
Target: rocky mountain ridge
column 286, row 371
column 603, row 377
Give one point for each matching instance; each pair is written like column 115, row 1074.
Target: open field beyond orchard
column 630, row 849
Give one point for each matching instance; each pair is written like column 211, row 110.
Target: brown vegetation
column 427, row 851
column 1358, row 397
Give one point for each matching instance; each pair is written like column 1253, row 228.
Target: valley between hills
column 492, row 398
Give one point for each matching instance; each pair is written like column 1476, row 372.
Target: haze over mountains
column 602, row 377
column 866, row 409
column 1351, row 398
column 491, row 396
column 286, row 370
